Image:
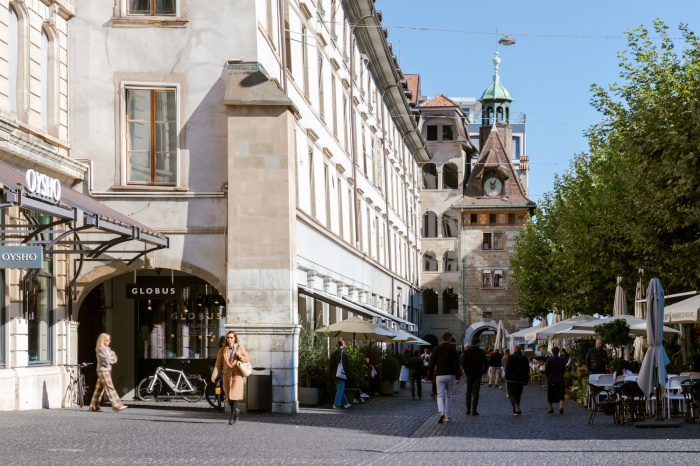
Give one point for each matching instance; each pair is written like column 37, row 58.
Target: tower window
column 492, row 219
column 473, row 219
column 447, row 133
column 511, row 219
column 432, row 133
column 487, row 241
column 498, row 241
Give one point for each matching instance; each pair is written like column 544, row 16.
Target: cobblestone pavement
column 383, row 431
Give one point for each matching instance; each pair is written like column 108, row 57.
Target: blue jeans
column 340, row 393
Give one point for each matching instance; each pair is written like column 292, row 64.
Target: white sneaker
column 347, row 406
column 364, row 395
column 447, row 419
column 336, row 407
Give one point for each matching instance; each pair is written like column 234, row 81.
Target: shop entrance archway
column 162, row 317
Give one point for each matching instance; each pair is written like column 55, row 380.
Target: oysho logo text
column 18, row 257
column 43, row 184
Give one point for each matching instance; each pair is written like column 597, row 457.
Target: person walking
column 415, row 368
column 474, row 364
column 567, row 359
column 229, row 357
column 517, row 376
column 554, row 370
column 495, row 367
column 597, row 359
column 506, row 355
column 338, row 370
column 444, row 372
column 105, row 358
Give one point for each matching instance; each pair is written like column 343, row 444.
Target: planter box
column 386, row 388
column 308, row 396
column 397, row 386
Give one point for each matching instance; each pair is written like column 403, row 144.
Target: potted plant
column 389, row 373
column 313, row 364
column 357, row 371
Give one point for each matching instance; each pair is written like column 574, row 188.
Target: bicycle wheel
column 211, row 395
column 81, row 391
column 142, row 390
column 199, row 389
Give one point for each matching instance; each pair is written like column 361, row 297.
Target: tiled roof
column 439, row 100
column 413, row 80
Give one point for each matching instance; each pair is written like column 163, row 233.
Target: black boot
column 232, row 418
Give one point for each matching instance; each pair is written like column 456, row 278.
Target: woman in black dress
column 554, row 370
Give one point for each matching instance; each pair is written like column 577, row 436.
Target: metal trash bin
column 259, row 391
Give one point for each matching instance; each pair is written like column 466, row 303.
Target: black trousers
column 515, row 391
column 414, row 378
column 473, row 388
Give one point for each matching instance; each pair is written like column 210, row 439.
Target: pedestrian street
column 382, row 431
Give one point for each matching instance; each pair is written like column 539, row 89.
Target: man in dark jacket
column 517, row 376
column 597, row 359
column 495, row 367
column 415, row 369
column 444, row 372
column 474, row 365
column 339, row 358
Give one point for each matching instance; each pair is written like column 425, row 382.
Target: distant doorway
column 92, row 322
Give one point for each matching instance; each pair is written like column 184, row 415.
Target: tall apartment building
column 474, row 198
column 270, row 146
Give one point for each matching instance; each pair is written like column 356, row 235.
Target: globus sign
column 43, row 185
column 134, row 291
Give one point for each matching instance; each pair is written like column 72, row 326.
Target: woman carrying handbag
column 105, row 358
column 235, row 362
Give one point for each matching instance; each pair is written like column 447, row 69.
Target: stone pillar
column 261, row 240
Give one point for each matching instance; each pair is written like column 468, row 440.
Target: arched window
column 450, row 301
column 45, row 79
column 429, row 176
column 449, row 261
column 450, row 176
column 430, row 262
column 489, row 116
column 449, row 224
column 429, row 225
column 499, row 114
column 430, row 301
column 13, row 45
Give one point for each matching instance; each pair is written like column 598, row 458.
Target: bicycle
column 190, row 387
column 77, row 388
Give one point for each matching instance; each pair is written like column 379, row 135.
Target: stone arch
column 450, row 224
column 430, row 176
column 450, row 176
column 450, row 262
column 477, row 327
column 430, row 263
column 91, row 279
column 430, row 224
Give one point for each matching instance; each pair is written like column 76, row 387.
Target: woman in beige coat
column 105, row 358
column 229, row 356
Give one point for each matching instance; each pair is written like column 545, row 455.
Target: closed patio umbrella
column 499, row 335
column 620, row 304
column 640, row 307
column 640, row 346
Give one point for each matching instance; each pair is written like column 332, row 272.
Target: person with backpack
column 338, row 370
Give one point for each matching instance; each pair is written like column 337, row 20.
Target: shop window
column 429, row 176
column 151, row 7
column 429, row 225
column 450, row 301
column 40, row 320
column 430, row 300
column 449, row 262
column 450, row 176
column 511, row 219
column 449, row 225
column 447, row 133
column 498, row 241
column 498, row 278
column 430, row 262
column 432, row 133
column 152, row 136
column 189, row 326
column 487, row 242
column 487, row 279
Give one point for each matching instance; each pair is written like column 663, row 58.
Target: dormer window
column 447, row 133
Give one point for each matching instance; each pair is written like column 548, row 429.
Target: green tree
column 615, row 333
column 313, row 355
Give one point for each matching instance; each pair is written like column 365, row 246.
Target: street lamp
column 506, row 40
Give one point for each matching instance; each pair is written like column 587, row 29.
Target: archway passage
column 162, row 318
column 432, row 339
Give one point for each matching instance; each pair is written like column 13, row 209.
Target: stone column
column 261, row 289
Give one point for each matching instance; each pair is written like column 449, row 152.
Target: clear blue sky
column 549, row 78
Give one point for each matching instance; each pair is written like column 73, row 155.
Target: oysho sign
column 21, row 257
column 134, row 291
column 43, row 185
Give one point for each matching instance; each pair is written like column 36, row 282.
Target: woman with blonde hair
column 105, row 358
column 229, row 357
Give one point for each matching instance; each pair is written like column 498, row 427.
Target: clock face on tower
column 493, row 187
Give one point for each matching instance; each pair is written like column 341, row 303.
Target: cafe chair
column 674, row 391
column 602, row 400
column 632, row 403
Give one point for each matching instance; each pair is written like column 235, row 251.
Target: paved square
column 384, row 431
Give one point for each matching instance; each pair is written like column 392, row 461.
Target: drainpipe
column 386, row 192
column 461, row 268
column 353, row 136
column 283, row 44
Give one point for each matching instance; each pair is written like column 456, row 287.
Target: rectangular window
column 511, row 219
column 492, row 219
column 487, row 241
column 334, row 107
column 364, row 152
column 40, row 319
column 498, row 241
column 13, row 49
column 305, row 60
column 327, row 199
column 369, row 233
column 346, row 129
column 447, row 134
column 321, row 106
column 340, row 211
column 360, row 236
column 151, row 7
column 269, row 20
column 312, row 183
column 432, row 133
column 487, row 279
column 473, row 219
column 515, row 149
column 287, row 42
column 351, row 224
column 151, row 136
column 498, row 278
